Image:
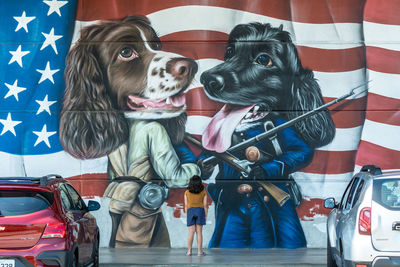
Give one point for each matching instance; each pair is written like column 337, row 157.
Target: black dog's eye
column 264, row 60
column 229, row 52
column 127, row 54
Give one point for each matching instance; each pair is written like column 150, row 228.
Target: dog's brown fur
column 92, row 122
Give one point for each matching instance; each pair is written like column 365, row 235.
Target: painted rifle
column 279, row 195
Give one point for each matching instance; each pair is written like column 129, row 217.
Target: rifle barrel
column 283, row 126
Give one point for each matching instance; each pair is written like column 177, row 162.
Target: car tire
column 330, row 261
column 95, row 253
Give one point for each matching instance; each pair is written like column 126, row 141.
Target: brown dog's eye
column 156, row 45
column 264, row 60
column 127, row 54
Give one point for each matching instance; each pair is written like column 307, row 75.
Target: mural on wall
column 157, row 91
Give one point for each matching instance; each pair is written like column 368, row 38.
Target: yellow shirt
column 195, row 200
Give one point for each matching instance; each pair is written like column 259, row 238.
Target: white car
column 364, row 228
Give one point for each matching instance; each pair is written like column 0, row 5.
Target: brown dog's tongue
column 218, row 134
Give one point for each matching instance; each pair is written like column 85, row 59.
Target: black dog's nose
column 212, row 82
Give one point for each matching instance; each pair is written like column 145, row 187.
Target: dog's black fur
column 262, row 67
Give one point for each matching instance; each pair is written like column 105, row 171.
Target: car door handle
column 396, row 226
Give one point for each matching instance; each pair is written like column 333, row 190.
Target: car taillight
column 54, row 230
column 364, row 222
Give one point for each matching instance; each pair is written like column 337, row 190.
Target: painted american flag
column 35, row 37
column 345, row 43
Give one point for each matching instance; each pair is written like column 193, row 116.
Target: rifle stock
column 278, row 194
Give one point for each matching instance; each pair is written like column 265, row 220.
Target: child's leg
column 190, row 238
column 199, row 237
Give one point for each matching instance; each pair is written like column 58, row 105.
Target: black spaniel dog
column 262, row 68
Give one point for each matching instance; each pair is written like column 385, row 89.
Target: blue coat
column 296, row 155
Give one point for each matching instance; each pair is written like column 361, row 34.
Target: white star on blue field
column 35, row 37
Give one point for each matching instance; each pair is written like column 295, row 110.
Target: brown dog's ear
column 90, row 127
column 145, row 26
column 319, row 129
column 137, row 19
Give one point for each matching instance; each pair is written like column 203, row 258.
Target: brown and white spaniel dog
column 117, row 71
column 115, row 74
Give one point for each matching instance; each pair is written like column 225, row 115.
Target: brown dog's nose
column 181, row 67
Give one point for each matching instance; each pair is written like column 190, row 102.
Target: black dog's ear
column 89, row 125
column 319, row 129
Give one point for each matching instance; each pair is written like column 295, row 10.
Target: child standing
column 196, row 210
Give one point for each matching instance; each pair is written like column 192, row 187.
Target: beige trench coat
column 148, row 154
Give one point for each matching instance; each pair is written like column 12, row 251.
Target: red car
column 44, row 222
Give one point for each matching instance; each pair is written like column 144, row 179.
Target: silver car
column 364, row 228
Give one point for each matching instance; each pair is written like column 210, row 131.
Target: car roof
column 45, row 181
column 388, row 175
column 374, row 172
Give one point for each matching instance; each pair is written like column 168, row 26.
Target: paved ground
column 161, row 257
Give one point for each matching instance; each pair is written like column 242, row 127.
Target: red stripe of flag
column 196, row 44
column 105, row 9
column 385, row 158
column 332, row 60
column 384, row 12
column 383, row 109
column 383, row 60
column 331, row 11
column 199, row 104
column 92, row 184
column 306, row 11
column 331, row 162
column 348, row 113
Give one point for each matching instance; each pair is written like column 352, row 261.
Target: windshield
column 387, row 192
column 23, row 202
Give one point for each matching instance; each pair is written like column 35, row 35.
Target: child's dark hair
column 195, row 184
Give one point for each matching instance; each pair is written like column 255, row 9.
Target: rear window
column 387, row 193
column 23, row 202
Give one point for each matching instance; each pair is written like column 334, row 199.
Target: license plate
column 7, row 263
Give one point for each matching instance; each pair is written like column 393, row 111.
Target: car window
column 65, row 198
column 13, row 202
column 351, row 193
column 387, row 193
column 358, row 192
column 345, row 194
column 76, row 199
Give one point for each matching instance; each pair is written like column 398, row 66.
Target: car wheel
column 330, row 261
column 95, row 254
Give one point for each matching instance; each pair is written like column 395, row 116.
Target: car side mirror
column 330, row 203
column 93, row 205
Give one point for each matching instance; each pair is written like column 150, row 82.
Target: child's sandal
column 201, row 254
column 188, row 253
